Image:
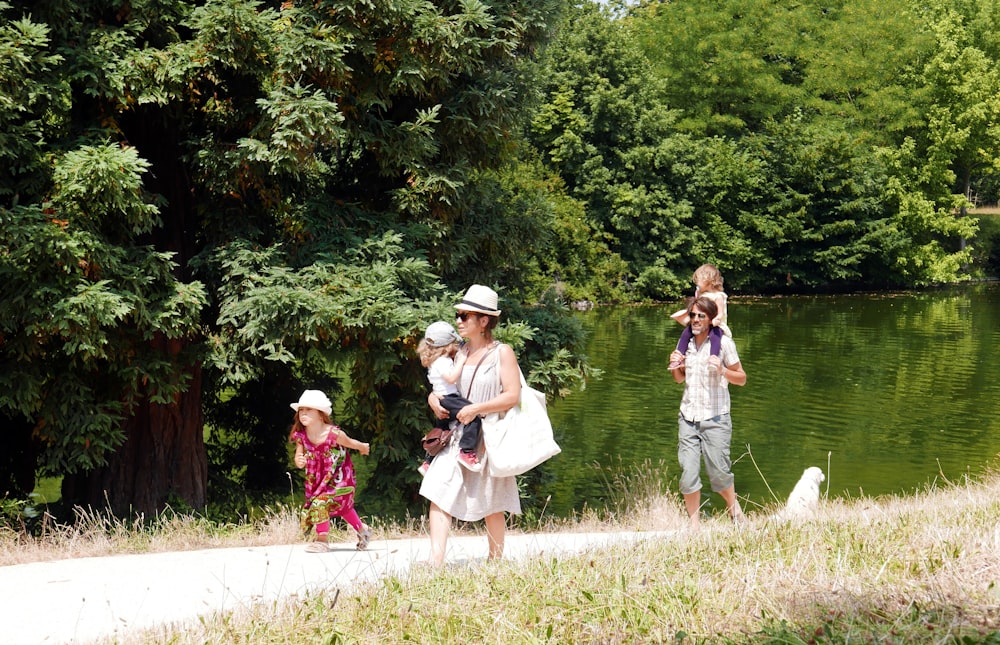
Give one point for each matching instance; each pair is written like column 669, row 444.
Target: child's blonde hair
column 709, row 275
column 429, row 353
column 298, row 427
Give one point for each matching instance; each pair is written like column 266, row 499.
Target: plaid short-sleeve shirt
column 706, row 393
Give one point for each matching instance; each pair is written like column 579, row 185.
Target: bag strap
column 493, row 349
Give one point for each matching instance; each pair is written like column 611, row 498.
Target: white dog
column 803, row 501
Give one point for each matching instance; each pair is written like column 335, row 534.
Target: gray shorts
column 708, row 439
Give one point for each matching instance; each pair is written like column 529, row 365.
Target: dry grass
column 96, row 534
column 920, row 569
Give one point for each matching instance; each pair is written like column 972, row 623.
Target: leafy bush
column 986, row 245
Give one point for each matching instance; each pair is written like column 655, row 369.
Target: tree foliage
column 207, row 207
column 797, row 147
column 203, row 201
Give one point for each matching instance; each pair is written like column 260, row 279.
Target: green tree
column 769, row 140
column 23, row 95
column 598, row 123
column 860, row 65
column 232, row 197
column 963, row 117
column 726, row 65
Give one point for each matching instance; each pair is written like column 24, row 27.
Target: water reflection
column 884, row 392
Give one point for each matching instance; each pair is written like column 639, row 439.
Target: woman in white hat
column 491, row 380
column 321, row 448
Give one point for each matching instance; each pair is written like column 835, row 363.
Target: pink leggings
column 350, row 516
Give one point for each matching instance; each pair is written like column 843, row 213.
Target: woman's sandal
column 364, row 537
column 317, row 547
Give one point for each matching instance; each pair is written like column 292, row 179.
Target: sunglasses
column 697, row 316
column 464, row 315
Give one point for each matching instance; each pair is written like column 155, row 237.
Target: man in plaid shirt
column 704, row 426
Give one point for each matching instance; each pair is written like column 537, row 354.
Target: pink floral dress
column 329, row 479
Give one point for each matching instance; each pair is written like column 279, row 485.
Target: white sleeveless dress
column 461, row 493
column 722, row 301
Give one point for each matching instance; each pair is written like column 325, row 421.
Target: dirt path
column 79, row 601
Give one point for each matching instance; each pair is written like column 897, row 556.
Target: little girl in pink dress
column 321, row 448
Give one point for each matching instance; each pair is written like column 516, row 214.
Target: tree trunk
column 162, row 461
column 967, row 191
column 19, row 457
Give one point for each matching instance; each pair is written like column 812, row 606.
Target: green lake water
column 887, row 393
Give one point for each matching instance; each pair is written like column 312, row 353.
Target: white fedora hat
column 479, row 299
column 314, row 399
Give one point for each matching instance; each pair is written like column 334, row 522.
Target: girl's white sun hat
column 314, row 399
